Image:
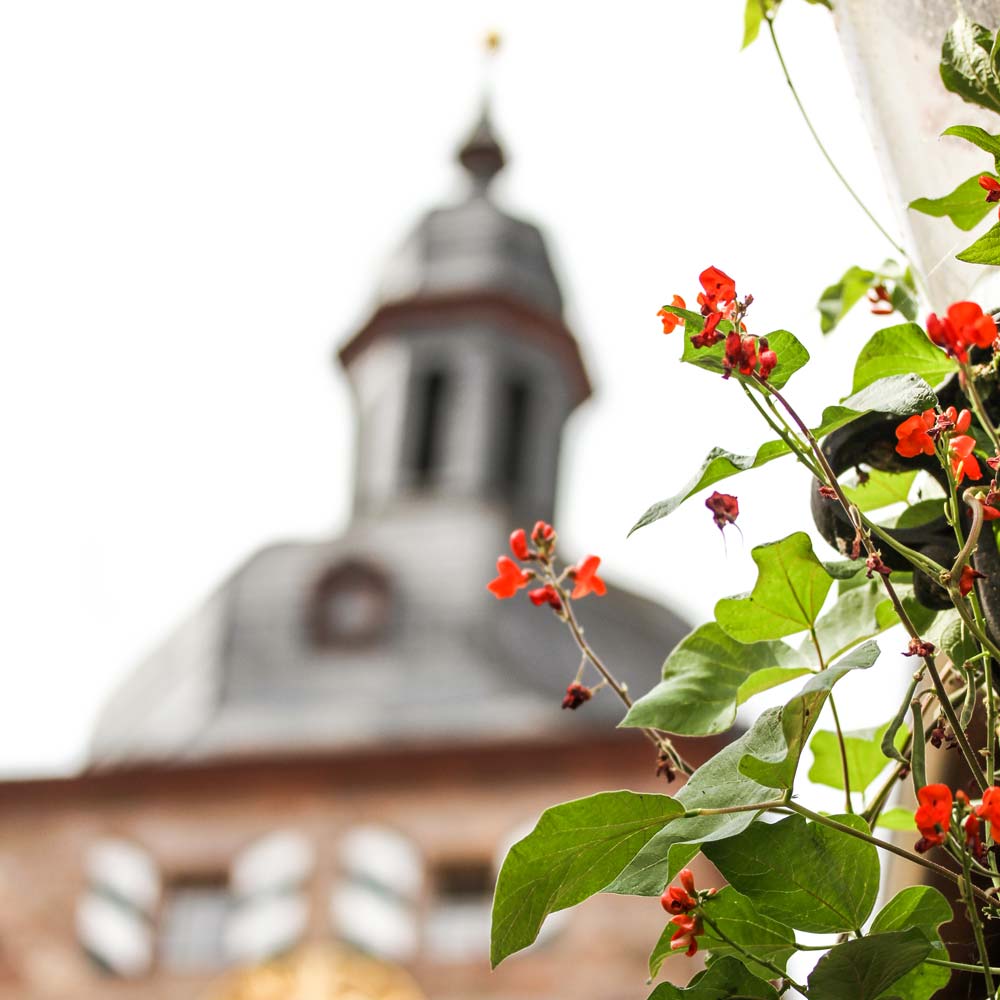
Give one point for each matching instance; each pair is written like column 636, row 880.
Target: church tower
column 462, row 380
column 321, row 769
column 466, row 372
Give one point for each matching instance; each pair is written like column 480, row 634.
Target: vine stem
column 963, row 741
column 961, row 966
column 977, row 405
column 956, row 877
column 758, row 960
column 658, row 739
column 898, row 247
column 977, row 927
column 845, row 770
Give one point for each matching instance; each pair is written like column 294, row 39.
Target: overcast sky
column 196, row 200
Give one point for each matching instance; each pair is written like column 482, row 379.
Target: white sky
column 196, row 199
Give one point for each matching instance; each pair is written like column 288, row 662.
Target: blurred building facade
column 340, row 744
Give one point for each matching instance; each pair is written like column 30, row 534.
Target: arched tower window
column 511, row 466
column 428, row 412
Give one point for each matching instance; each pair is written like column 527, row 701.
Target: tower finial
column 481, row 153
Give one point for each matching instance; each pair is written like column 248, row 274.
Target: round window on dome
column 349, row 606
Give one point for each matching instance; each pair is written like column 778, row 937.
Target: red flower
column 576, row 695
column 748, row 355
column 768, row 359
column 687, row 880
column 964, row 326
column 720, row 290
column 709, row 334
column 880, row 300
column 731, row 355
column 919, row 647
column 544, row 537
column 874, row 564
column 676, row 900
column 542, row 533
column 670, row 320
column 519, row 544
column 913, row 436
column 959, row 420
column 990, row 810
column 511, row 579
column 546, row 595
column 685, row 935
column 725, row 509
column 963, row 462
column 933, row 816
column 991, row 187
column 968, row 579
column 973, row 839
column 990, row 513
column 584, row 575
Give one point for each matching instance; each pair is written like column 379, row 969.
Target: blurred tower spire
column 481, row 154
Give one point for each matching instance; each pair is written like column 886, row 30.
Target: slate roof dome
column 462, row 381
column 474, row 246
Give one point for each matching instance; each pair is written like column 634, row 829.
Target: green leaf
column 904, row 298
column 706, row 677
column 741, row 926
column 776, row 768
column 896, row 394
column 966, row 206
column 900, row 350
column 899, row 395
column 897, row 819
column 986, row 250
column 966, row 66
column 978, row 137
column 753, row 15
column 803, row 874
column 788, row 596
column 958, row 643
column 863, row 749
column 880, row 489
column 838, row 299
column 791, row 354
column 575, row 849
column 717, row 784
column 920, row 513
column 854, row 618
column 926, row 909
column 719, row 464
column 862, row 969
column 725, row 978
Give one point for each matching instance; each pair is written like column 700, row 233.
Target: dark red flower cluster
column 919, row 647
column 724, row 507
column 576, row 695
column 874, row 564
column 717, row 301
column 963, row 326
column 743, row 353
column 881, row 301
column 680, row 901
